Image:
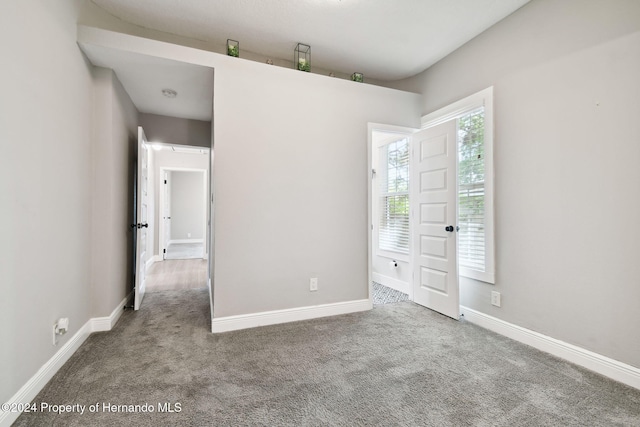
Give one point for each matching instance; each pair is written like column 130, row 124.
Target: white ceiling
column 144, row 77
column 384, row 39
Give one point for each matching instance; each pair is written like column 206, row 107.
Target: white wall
column 113, row 162
column 168, row 160
column 45, row 183
column 398, row 278
column 291, row 176
column 188, row 201
column 567, row 145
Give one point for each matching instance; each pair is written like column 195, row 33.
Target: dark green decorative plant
column 233, row 48
column 357, row 77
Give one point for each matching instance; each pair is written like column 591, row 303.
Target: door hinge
column 165, row 181
column 164, row 251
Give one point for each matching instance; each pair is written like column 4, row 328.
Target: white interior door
column 142, row 197
column 434, row 184
column 166, row 215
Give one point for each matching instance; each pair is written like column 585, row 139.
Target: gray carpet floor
column 396, row 365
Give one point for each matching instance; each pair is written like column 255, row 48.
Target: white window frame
column 376, row 208
column 484, row 99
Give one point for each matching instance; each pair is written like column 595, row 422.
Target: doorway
column 181, row 218
column 431, row 204
column 390, row 243
column 182, row 213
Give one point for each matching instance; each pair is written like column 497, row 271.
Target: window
column 471, row 195
column 474, row 117
column 393, row 226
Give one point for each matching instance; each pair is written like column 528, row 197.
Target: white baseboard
column 186, row 241
column 36, row 383
column 101, row 324
column 390, row 282
column 154, row 259
column 603, row 365
column 244, row 321
column 150, row 261
column 31, row 389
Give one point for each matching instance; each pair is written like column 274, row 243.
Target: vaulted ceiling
column 384, row 39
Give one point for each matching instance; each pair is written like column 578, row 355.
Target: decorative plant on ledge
column 302, row 57
column 357, row 77
column 233, row 48
column 303, row 65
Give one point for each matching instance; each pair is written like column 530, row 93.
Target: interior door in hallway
column 166, row 213
column 142, row 225
column 434, row 204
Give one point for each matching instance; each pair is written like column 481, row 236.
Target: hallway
column 185, row 251
column 177, row 274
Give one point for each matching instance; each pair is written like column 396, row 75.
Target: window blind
column 471, row 190
column 393, row 230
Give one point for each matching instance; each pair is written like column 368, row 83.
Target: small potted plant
column 303, row 65
column 357, row 77
column 233, row 48
column 302, row 57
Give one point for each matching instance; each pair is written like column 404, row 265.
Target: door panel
column 435, row 267
column 142, row 225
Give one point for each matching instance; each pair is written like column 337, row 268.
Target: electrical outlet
column 313, row 284
column 189, row 235
column 495, row 298
column 60, row 328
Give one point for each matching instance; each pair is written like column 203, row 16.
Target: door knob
column 144, row 225
column 449, row 228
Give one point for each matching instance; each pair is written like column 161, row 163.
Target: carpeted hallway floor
column 397, row 364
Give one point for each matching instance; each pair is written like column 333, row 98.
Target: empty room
column 320, row 212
